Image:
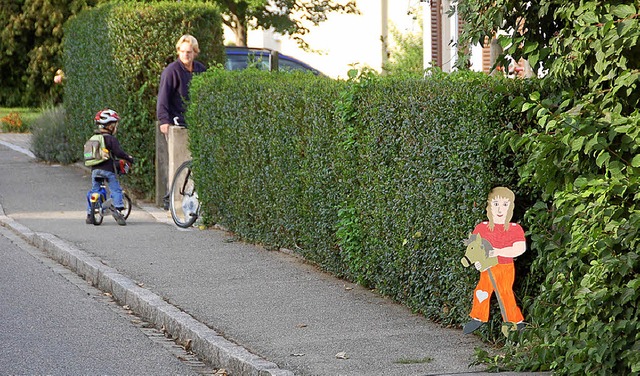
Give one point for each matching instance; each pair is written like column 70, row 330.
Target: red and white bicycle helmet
column 106, row 117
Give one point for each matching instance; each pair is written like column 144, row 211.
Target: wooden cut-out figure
column 491, row 249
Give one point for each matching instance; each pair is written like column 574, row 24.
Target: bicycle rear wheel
column 183, row 199
column 96, row 212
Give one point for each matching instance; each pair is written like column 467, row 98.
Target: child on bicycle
column 107, row 125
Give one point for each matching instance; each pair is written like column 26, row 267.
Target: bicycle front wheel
column 183, row 200
column 126, row 200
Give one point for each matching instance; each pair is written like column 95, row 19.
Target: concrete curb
column 18, row 148
column 202, row 340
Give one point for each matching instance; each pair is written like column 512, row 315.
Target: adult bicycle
column 183, row 198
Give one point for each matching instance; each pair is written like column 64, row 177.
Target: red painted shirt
column 499, row 238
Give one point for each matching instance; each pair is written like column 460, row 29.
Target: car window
column 250, row 59
column 288, row 65
column 238, row 59
column 236, row 62
column 258, row 60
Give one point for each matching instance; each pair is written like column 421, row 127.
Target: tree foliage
column 31, row 48
column 581, row 153
column 31, row 38
column 290, row 17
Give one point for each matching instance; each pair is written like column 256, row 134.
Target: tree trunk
column 241, row 35
column 240, row 30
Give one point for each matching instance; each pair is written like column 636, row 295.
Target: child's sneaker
column 89, row 220
column 118, row 217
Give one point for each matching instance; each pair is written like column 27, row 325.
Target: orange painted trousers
column 498, row 279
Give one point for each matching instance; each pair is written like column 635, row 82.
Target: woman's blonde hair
column 188, row 39
column 501, row 192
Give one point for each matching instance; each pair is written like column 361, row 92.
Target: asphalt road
column 53, row 323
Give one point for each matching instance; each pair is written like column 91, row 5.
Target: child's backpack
column 95, row 151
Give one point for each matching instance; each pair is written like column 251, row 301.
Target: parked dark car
column 239, row 58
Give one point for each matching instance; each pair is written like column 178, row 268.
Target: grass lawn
column 9, row 122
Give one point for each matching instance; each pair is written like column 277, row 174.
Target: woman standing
column 173, row 93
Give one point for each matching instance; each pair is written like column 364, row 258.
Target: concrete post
column 161, row 163
column 171, row 152
column 178, row 149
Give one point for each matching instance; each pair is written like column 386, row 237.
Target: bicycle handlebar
column 176, row 122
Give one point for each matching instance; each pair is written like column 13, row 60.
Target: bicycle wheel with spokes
column 96, row 212
column 183, row 199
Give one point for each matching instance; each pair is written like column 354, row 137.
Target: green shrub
column 31, row 49
column 585, row 317
column 47, row 136
column 581, row 151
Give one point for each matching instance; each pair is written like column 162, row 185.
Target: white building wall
column 476, row 58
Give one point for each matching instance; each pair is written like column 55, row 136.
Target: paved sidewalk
column 237, row 305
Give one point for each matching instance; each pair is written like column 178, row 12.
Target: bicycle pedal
column 108, row 204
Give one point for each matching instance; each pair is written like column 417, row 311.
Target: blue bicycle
column 99, row 203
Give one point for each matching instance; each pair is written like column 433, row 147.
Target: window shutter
column 486, row 55
column 436, row 33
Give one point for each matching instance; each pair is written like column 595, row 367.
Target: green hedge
column 92, row 81
column 376, row 180
column 423, row 161
column 265, row 144
column 113, row 57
